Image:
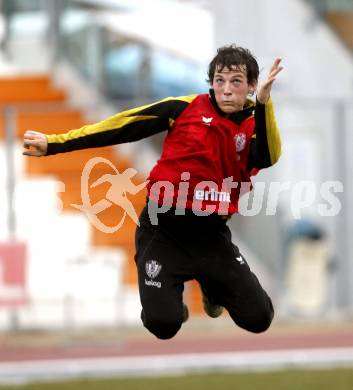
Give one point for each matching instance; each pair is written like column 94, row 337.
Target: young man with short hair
column 215, row 142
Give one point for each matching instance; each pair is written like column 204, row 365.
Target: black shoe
column 211, row 309
column 185, row 313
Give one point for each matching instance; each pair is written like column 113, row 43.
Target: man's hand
column 264, row 91
column 35, row 144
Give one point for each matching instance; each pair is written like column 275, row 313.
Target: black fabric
column 190, row 247
column 237, row 117
column 168, row 109
column 259, row 156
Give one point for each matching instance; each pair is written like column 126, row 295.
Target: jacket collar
column 237, row 117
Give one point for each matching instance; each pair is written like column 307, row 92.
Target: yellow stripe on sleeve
column 187, row 99
column 115, row 122
column 273, row 136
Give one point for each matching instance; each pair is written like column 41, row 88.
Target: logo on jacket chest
column 240, row 142
column 206, row 121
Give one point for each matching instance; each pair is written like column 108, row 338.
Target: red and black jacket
column 203, row 145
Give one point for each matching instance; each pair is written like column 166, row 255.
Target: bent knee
column 259, row 326
column 256, row 323
column 260, row 323
column 163, row 328
column 163, row 331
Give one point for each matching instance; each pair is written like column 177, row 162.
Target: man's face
column 231, row 88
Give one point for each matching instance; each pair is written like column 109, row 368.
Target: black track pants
column 181, row 248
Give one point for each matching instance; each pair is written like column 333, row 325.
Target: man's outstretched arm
column 127, row 126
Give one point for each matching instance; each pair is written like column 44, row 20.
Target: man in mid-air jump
column 215, row 142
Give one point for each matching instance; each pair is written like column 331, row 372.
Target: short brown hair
column 234, row 56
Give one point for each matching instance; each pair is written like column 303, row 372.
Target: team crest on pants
column 153, row 268
column 240, row 141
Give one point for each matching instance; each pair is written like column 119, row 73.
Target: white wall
column 316, row 63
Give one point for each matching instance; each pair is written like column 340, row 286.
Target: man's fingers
column 275, row 68
column 276, row 63
column 32, row 132
column 33, row 135
column 30, row 136
column 268, row 83
column 34, row 153
column 28, row 142
column 276, row 71
column 266, row 86
column 34, row 143
column 271, row 79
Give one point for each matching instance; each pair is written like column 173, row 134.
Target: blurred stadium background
column 68, row 291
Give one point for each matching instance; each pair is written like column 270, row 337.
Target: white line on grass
column 157, row 365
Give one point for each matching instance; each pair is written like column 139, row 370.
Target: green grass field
column 338, row 379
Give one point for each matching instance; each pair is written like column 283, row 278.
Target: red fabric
column 202, row 143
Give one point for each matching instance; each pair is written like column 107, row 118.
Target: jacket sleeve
column 265, row 148
column 127, row 126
